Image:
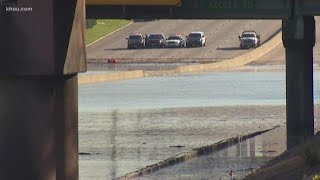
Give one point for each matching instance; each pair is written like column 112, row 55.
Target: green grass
column 311, row 153
column 103, row 27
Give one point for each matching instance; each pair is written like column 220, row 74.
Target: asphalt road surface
column 222, row 40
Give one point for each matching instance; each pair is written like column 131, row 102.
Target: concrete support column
column 39, row 128
column 299, row 39
column 41, row 51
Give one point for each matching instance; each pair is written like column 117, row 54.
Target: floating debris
column 178, row 146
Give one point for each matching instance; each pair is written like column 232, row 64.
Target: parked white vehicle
column 196, row 39
column 249, row 39
column 175, row 41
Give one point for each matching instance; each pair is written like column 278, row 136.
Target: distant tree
column 90, row 23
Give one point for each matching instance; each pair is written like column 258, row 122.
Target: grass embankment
column 103, row 27
column 301, row 162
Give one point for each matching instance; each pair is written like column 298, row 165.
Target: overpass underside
column 43, row 51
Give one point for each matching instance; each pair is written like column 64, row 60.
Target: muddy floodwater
column 127, row 125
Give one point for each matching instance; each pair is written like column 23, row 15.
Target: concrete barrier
column 96, row 78
column 187, row 156
column 189, row 69
column 224, row 64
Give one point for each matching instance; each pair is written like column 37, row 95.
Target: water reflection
column 235, row 161
column 125, row 141
column 113, row 140
column 139, row 135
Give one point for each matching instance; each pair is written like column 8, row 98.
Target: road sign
column 135, row 2
column 190, row 9
column 238, row 8
column 307, row 7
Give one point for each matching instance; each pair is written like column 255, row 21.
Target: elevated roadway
column 222, row 40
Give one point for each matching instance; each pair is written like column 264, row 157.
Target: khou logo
column 5, row 3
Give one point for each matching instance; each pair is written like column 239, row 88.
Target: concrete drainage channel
column 187, row 156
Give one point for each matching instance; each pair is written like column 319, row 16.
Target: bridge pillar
column 42, row 49
column 299, row 39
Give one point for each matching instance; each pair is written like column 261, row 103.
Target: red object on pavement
column 112, row 60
